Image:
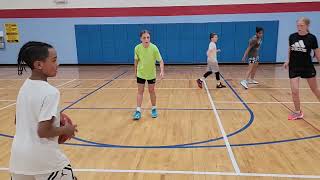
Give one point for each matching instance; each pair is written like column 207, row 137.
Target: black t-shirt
column 300, row 50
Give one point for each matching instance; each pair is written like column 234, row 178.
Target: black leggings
column 208, row 73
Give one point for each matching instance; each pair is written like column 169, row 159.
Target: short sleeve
column 157, row 54
column 50, row 107
column 253, row 42
column 290, row 40
column 136, row 53
column 212, row 46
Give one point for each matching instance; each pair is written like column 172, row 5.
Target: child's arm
column 251, row 44
column 48, row 113
column 317, row 54
column 245, row 54
column 316, row 48
column 286, row 64
column 159, row 59
column 46, row 129
column 162, row 69
column 136, row 61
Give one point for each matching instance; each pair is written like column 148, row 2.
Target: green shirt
column 147, row 58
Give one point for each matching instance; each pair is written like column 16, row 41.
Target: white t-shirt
column 31, row 155
column 212, row 56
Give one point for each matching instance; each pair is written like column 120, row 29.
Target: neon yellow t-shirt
column 147, row 58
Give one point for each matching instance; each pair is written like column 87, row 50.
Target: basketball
column 64, row 119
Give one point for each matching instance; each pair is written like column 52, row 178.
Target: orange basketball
column 64, row 119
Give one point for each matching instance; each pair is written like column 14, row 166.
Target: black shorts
column 306, row 73
column 143, row 81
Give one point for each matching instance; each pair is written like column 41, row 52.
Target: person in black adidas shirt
column 300, row 63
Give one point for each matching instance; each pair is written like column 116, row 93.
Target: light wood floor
column 185, row 142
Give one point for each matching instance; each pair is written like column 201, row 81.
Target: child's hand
column 218, row 50
column 70, row 130
column 243, row 60
column 286, row 65
column 161, row 75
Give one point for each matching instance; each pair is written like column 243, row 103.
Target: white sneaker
column 244, row 83
column 251, row 81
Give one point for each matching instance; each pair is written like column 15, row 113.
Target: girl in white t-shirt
column 35, row 153
column 212, row 65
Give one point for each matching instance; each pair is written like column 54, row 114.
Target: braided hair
column 30, row 52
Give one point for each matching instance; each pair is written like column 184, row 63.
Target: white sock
column 139, row 109
column 154, row 107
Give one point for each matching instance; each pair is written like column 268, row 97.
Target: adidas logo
column 299, row 46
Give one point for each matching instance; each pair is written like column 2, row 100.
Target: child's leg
column 208, row 73
column 294, row 82
column 199, row 81
column 219, row 83
column 250, row 68
column 153, row 97
column 314, row 87
column 246, row 81
column 218, row 76
column 140, row 95
column 254, row 70
column 141, row 83
column 152, row 92
column 210, row 67
column 255, row 62
column 137, row 113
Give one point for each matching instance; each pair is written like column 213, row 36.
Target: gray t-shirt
column 255, row 44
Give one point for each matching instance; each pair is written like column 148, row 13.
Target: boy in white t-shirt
column 35, row 153
column 213, row 65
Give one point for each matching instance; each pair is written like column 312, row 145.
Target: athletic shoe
column 244, row 83
column 137, row 115
column 154, row 113
column 251, row 81
column 295, row 116
column 199, row 82
column 220, row 85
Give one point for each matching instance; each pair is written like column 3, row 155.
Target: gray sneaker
column 244, row 83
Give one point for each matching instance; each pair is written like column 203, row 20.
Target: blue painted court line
column 185, row 147
column 161, row 109
column 6, row 135
column 103, row 85
column 187, row 144
column 164, row 146
column 190, row 147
